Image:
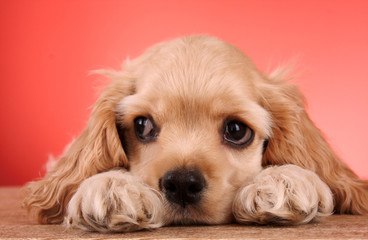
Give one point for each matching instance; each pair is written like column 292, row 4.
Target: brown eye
column 238, row 134
column 145, row 129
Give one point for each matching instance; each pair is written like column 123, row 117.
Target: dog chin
column 190, row 215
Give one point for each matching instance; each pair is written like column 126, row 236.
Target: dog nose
column 183, row 186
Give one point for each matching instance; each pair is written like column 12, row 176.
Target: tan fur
column 96, row 150
column 296, row 140
column 119, row 199
column 190, row 87
column 276, row 190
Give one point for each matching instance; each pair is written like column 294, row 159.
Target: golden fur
column 108, row 180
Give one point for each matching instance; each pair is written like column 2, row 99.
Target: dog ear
column 97, row 149
column 296, row 140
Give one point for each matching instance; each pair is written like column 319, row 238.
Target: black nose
column 183, row 186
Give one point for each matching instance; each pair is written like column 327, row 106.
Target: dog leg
column 114, row 201
column 284, row 194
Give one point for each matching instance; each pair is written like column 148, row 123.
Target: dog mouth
column 188, row 215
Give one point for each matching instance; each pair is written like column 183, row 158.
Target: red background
column 48, row 47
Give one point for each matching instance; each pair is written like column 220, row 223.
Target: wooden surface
column 15, row 224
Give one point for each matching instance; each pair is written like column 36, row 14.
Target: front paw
column 284, row 195
column 114, row 201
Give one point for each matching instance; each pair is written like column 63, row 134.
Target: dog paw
column 284, row 194
column 114, row 201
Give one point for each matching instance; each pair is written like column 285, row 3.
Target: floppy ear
column 97, row 149
column 296, row 140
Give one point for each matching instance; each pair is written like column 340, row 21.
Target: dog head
column 193, row 128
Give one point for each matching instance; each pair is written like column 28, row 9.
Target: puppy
column 192, row 133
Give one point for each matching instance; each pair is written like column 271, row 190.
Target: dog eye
column 237, row 133
column 145, row 129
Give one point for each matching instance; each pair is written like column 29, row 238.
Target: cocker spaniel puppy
column 192, row 133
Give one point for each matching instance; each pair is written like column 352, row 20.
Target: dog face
column 193, row 129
